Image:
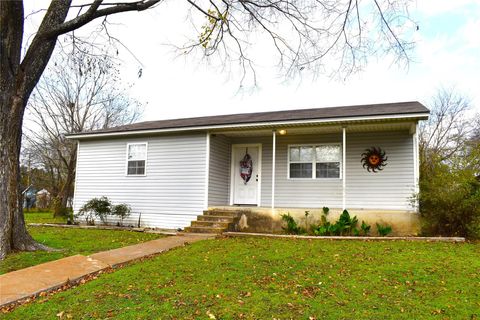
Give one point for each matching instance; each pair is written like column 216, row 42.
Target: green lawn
column 247, row 278
column 43, row 217
column 71, row 241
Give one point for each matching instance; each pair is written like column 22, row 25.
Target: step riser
column 215, row 219
column 203, row 230
column 210, row 224
column 221, row 213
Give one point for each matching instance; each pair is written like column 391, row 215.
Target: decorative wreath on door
column 374, row 159
column 246, row 167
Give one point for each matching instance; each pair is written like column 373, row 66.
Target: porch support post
column 274, row 147
column 207, row 170
column 344, row 168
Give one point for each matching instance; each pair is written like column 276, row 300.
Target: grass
column 34, row 216
column 254, row 278
column 71, row 241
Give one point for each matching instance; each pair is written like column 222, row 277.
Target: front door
column 246, row 174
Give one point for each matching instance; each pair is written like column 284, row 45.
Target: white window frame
column 314, row 160
column 126, row 159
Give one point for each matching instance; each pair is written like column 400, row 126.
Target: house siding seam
column 172, row 193
column 219, row 172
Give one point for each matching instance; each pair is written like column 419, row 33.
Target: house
column 363, row 158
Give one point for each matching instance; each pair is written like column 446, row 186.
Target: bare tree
column 476, row 130
column 304, row 32
column 448, row 129
column 79, row 92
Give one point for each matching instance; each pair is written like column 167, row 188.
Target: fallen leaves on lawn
column 211, row 315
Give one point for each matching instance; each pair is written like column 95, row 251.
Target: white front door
column 246, row 165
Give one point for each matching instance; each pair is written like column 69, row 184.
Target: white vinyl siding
column 171, row 195
column 219, row 171
column 304, row 193
column 391, row 188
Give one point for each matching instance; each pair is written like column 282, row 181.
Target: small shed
column 43, row 199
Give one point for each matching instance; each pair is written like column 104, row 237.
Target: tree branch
column 93, row 13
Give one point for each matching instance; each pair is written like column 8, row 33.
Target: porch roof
column 413, row 110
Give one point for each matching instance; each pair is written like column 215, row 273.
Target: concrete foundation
column 266, row 220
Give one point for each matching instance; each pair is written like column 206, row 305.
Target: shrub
column 365, row 228
column 384, row 230
column 344, row 226
column 122, row 211
column 449, row 200
column 292, row 226
column 96, row 207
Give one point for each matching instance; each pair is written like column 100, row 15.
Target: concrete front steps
column 214, row 221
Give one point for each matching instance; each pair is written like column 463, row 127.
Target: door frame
column 232, row 170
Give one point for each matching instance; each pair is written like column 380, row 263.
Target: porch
column 331, row 174
column 314, row 166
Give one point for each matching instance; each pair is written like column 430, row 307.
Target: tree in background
column 448, row 128
column 79, row 92
column 449, row 195
column 305, row 33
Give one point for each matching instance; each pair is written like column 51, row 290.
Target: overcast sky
column 447, row 54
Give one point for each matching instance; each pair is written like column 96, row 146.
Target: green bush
column 345, row 225
column 96, row 207
column 449, row 200
column 365, row 228
column 384, row 230
column 292, row 226
column 121, row 211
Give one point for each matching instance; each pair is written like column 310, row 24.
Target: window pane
column 328, row 153
column 136, row 167
column 328, row 170
column 306, row 153
column 301, row 170
column 137, row 151
column 294, row 154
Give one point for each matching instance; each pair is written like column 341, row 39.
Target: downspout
column 344, row 168
column 274, row 147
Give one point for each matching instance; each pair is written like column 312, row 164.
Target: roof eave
column 93, row 135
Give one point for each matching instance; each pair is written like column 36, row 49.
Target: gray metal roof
column 385, row 109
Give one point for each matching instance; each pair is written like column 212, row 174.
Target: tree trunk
column 61, row 206
column 13, row 232
column 17, row 80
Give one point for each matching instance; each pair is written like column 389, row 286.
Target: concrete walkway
column 25, row 283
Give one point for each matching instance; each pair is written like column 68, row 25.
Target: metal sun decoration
column 374, row 159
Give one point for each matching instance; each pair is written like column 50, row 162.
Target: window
column 301, row 162
column 315, row 161
column 136, row 159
